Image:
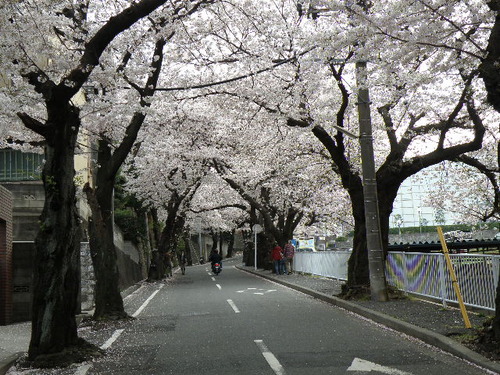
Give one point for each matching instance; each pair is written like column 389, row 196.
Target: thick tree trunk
column 56, row 281
column 490, row 72
column 264, row 246
column 358, row 273
column 108, row 300
column 169, row 238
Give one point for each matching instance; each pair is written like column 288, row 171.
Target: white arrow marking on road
column 231, row 303
column 270, row 358
column 260, row 293
column 366, row 366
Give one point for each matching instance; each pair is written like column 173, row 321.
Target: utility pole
column 373, row 235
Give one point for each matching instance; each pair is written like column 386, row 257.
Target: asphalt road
column 237, row 323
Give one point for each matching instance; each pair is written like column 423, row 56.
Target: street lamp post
column 198, row 226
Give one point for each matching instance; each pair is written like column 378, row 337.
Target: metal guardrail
column 420, row 273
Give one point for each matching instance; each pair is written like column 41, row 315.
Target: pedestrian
column 277, row 255
column 168, row 263
column 289, row 252
column 183, row 261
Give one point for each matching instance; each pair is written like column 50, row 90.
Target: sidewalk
column 427, row 321
column 15, row 338
column 14, row 341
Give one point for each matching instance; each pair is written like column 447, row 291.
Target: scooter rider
column 215, row 257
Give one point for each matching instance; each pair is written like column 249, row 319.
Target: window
column 20, row 166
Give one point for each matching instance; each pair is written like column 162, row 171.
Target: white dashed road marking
column 139, row 310
column 270, row 358
column 231, row 303
column 112, row 339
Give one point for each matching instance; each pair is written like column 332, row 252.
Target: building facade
column 6, row 288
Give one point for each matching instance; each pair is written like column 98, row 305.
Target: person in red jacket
column 277, row 255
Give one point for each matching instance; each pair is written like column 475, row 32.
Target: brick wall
column 6, row 203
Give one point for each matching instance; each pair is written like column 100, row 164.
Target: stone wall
column 128, row 267
column 87, row 278
column 28, row 200
column 6, row 204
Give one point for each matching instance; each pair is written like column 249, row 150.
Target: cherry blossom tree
column 312, row 79
column 178, row 177
column 463, row 35
column 69, row 45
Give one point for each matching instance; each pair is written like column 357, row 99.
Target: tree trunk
column 490, row 72
column 230, row 245
column 108, row 300
column 144, row 245
column 56, row 281
column 358, row 273
column 174, row 225
column 264, row 246
column 187, row 248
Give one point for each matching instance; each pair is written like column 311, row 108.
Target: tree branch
column 38, row 127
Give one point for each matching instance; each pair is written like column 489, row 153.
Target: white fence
column 419, row 273
column 427, row 275
column 323, row 263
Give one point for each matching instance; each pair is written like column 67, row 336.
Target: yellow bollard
column 453, row 278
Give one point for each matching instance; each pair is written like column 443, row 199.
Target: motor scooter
column 216, row 268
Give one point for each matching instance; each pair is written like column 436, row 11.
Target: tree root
column 363, row 292
column 82, row 351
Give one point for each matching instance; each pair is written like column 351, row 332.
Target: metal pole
column 453, row 276
column 199, row 241
column 373, row 235
column 255, row 260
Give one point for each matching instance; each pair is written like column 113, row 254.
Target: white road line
column 218, row 286
column 231, row 303
column 270, row 358
column 112, row 339
column 213, row 278
column 143, row 306
column 134, row 293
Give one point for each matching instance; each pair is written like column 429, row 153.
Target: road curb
column 8, row 362
column 429, row 337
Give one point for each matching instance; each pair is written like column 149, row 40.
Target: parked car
column 497, row 236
